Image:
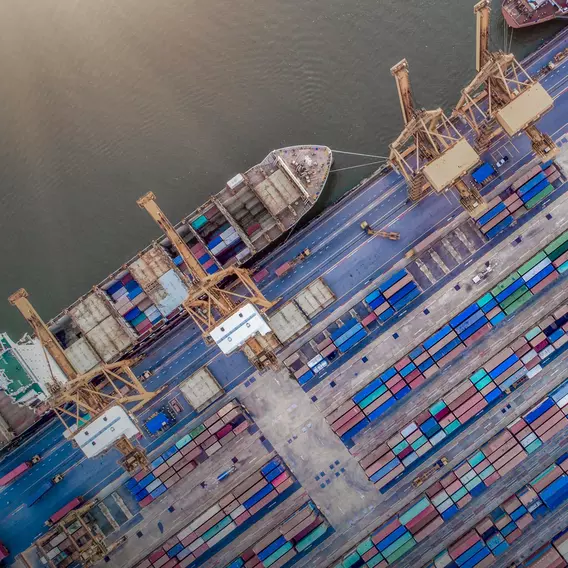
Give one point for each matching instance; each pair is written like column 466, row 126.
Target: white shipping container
column 119, row 294
column 232, row 239
column 288, row 322
column 139, row 299
column 201, row 389
column 314, row 298
column 110, row 339
column 219, row 248
column 82, row 356
column 534, row 371
column 168, row 292
column 90, row 311
column 150, row 266
column 243, row 254
column 563, row 402
column 122, row 301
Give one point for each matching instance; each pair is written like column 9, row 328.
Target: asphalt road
column 342, row 254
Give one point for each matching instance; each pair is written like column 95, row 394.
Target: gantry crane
column 90, row 394
column 212, row 299
column 430, row 151
column 514, row 100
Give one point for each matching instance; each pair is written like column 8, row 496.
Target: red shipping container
column 369, row 319
column 208, row 264
column 253, row 229
column 224, row 431
column 417, row 382
column 146, row 501
column 260, row 276
column 126, row 279
column 242, row 518
column 347, row 426
column 463, row 544
column 385, row 531
column 143, row 327
column 349, row 415
column 402, row 363
column 280, row 479
column 156, row 555
column 544, row 283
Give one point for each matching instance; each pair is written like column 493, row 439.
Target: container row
column 295, row 536
column 469, row 479
column 464, row 329
column 238, row 509
column 495, row 533
column 521, row 360
column 380, row 305
column 180, row 459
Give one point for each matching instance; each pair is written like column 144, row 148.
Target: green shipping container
column 532, row 263
column 558, row 252
column 520, row 302
column 399, row 548
column 196, row 431
column 307, row 541
column 373, row 396
column 558, row 241
column 415, row 510
column 277, row 554
column 505, row 283
column 484, row 300
column 539, row 197
column 514, row 297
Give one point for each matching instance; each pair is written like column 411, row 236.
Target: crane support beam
column 47, row 339
column 482, row 12
column 148, row 202
column 401, row 77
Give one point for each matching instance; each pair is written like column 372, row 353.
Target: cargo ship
column 525, row 13
column 145, row 295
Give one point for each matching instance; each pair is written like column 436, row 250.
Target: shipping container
column 201, row 389
column 288, row 322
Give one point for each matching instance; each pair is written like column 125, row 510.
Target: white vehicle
column 502, row 162
column 481, row 275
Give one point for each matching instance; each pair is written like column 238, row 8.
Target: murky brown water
column 103, row 101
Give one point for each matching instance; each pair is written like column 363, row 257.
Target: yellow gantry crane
column 212, row 299
column 430, row 151
column 514, row 101
column 90, row 394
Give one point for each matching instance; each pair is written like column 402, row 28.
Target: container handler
column 391, row 235
column 18, row 470
column 418, row 481
column 287, row 266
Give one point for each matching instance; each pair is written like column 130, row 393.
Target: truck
column 288, row 265
column 42, row 489
column 19, row 470
column 58, row 515
column 418, row 481
column 391, row 235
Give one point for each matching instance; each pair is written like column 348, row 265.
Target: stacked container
column 552, row 555
column 60, row 548
column 132, row 303
column 180, row 459
column 494, row 534
column 387, row 463
column 462, row 331
column 392, row 295
column 222, row 240
column 497, row 217
column 477, row 548
column 238, row 509
column 299, row 532
column 380, row 305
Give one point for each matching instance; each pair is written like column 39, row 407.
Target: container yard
column 252, row 390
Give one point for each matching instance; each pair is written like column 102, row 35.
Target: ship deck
column 522, row 13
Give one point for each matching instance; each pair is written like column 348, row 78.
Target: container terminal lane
column 305, row 465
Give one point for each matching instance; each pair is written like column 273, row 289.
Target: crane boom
column 401, row 76
column 148, row 202
column 20, row 300
column 482, row 12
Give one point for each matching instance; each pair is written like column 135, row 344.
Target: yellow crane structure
column 212, row 299
column 514, row 101
column 84, row 397
column 430, row 151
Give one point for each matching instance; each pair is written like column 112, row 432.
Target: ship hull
column 516, row 19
